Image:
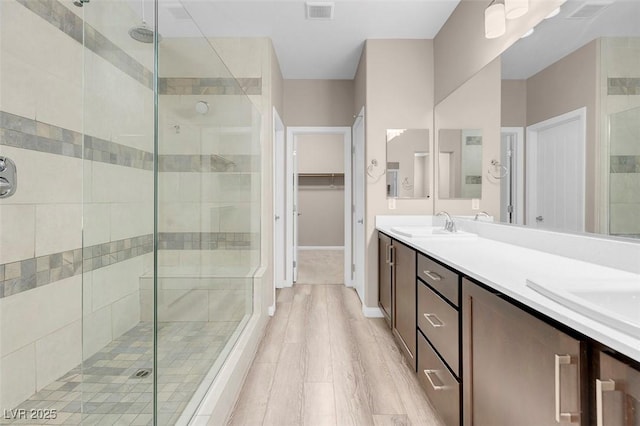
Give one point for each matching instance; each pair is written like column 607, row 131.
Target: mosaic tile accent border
column 25, row 133
column 625, row 163
column 209, row 163
column 27, row 274
column 208, row 240
column 209, row 86
column 623, row 86
column 22, row 132
column 104, row 151
column 71, row 24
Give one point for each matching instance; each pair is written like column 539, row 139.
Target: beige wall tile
column 116, row 281
column 126, row 314
column 19, row 94
column 45, row 178
column 50, row 308
column 58, row 353
column 183, row 305
column 17, row 376
column 17, row 232
column 130, row 220
column 96, row 223
column 58, row 228
column 96, row 331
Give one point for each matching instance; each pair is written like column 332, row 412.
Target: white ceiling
column 554, row 38
column 308, row 49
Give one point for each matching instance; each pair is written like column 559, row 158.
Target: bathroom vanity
column 487, row 347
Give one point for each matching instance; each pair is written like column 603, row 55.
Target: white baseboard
column 272, row 310
column 320, row 247
column 372, row 312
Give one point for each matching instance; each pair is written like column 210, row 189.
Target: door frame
column 357, row 205
column 292, row 133
column 580, row 115
column 280, row 277
column 518, row 165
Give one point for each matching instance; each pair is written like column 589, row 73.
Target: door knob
column 360, row 220
column 539, row 219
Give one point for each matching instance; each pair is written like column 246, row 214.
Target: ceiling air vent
column 319, row 10
column 589, row 10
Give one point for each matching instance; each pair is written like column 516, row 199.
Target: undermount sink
column 615, row 303
column 420, row 231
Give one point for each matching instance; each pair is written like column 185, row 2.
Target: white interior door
column 358, row 231
column 296, row 211
column 556, row 172
column 279, row 202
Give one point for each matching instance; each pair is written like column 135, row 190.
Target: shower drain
column 141, row 373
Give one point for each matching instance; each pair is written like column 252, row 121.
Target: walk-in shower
column 128, row 250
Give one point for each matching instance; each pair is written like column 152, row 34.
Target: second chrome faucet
column 449, row 224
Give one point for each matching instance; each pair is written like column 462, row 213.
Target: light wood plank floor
column 321, row 362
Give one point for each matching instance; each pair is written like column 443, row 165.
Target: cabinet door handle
column 601, row 387
column 392, row 251
column 386, row 252
column 434, row 380
column 432, row 275
column 560, row 416
column 435, row 322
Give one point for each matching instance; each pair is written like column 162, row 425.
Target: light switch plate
column 392, row 203
column 475, row 204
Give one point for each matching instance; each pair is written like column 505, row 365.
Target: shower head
column 143, row 33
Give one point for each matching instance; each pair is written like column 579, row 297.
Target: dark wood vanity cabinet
column 385, row 274
column 519, row 370
column 404, row 299
column 617, row 393
column 484, row 359
column 397, row 292
column 439, row 338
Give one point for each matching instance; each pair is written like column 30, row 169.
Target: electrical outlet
column 475, row 204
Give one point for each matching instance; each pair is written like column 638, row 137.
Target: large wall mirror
column 460, row 163
column 408, row 162
column 571, row 122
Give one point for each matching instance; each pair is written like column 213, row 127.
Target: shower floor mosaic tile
column 107, row 389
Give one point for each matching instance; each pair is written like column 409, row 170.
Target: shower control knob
column 3, row 164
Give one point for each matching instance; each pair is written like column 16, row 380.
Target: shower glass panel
column 118, row 199
column 620, row 94
column 208, row 216
column 94, row 330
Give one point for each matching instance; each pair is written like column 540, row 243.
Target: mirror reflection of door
column 556, row 172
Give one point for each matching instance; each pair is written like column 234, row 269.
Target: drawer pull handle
column 432, row 275
column 560, row 416
column 434, row 380
column 602, row 386
column 435, row 322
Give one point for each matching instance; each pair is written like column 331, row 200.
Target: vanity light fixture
column 495, row 24
column 515, row 8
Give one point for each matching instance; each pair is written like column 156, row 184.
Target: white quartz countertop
column 506, row 267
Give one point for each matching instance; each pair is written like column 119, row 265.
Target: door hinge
column 509, row 153
column 509, row 209
column 294, row 263
column 353, row 267
column 353, row 149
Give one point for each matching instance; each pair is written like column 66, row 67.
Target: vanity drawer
column 439, row 322
column 440, row 385
column 442, row 279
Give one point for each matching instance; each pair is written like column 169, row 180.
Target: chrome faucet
column 482, row 213
column 449, row 224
